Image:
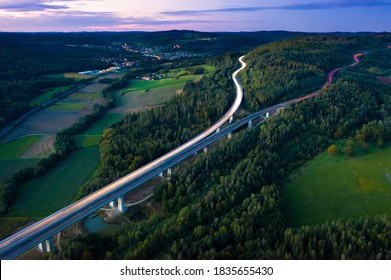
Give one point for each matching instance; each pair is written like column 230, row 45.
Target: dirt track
column 42, row 148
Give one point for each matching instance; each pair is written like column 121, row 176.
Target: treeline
column 16, row 94
column 227, row 205
column 28, row 59
column 142, row 137
column 63, row 146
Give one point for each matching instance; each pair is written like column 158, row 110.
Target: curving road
column 49, row 226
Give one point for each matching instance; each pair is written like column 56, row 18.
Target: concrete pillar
column 121, row 204
column 267, row 115
column 218, row 130
column 169, row 172
column 231, row 119
column 205, row 149
column 230, row 135
column 250, row 124
column 46, row 246
column 112, row 204
column 161, row 174
column 49, row 245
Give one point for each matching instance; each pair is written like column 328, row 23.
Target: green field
column 98, row 127
column 332, row 187
column 153, row 97
column 75, row 76
column 15, row 148
column 49, row 94
column 7, row 167
column 43, row 196
column 140, row 85
column 85, row 141
column 178, row 77
column 64, row 106
column 209, row 69
column 85, row 95
column 75, row 101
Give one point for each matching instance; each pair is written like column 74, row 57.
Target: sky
column 201, row 15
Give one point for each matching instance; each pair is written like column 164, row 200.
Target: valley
column 274, row 180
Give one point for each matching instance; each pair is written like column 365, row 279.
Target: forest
column 226, row 204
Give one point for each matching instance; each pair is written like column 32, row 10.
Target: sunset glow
column 212, row 15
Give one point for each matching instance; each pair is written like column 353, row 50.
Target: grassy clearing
column 88, row 95
column 15, row 148
column 63, row 106
column 209, row 69
column 75, row 101
column 98, row 127
column 85, row 141
column 7, row 167
column 152, row 97
column 155, row 92
column 75, row 76
column 140, row 85
column 49, row 94
column 332, row 187
column 43, row 196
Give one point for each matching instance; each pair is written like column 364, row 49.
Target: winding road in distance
column 329, row 80
column 44, row 229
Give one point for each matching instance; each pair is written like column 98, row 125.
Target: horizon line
column 192, row 30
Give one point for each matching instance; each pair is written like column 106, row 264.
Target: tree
column 363, row 146
column 349, row 148
column 332, row 150
column 380, row 143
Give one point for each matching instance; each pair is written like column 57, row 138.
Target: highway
column 51, row 225
column 44, row 229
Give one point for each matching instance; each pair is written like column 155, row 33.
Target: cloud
column 64, row 20
column 301, row 7
column 31, row 5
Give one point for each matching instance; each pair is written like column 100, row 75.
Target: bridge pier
column 46, row 246
column 205, row 149
column 230, row 135
column 218, row 130
column 112, row 204
column 231, row 119
column 167, row 172
column 121, row 204
column 267, row 115
column 250, row 124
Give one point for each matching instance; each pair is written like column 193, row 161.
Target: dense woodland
column 226, row 204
